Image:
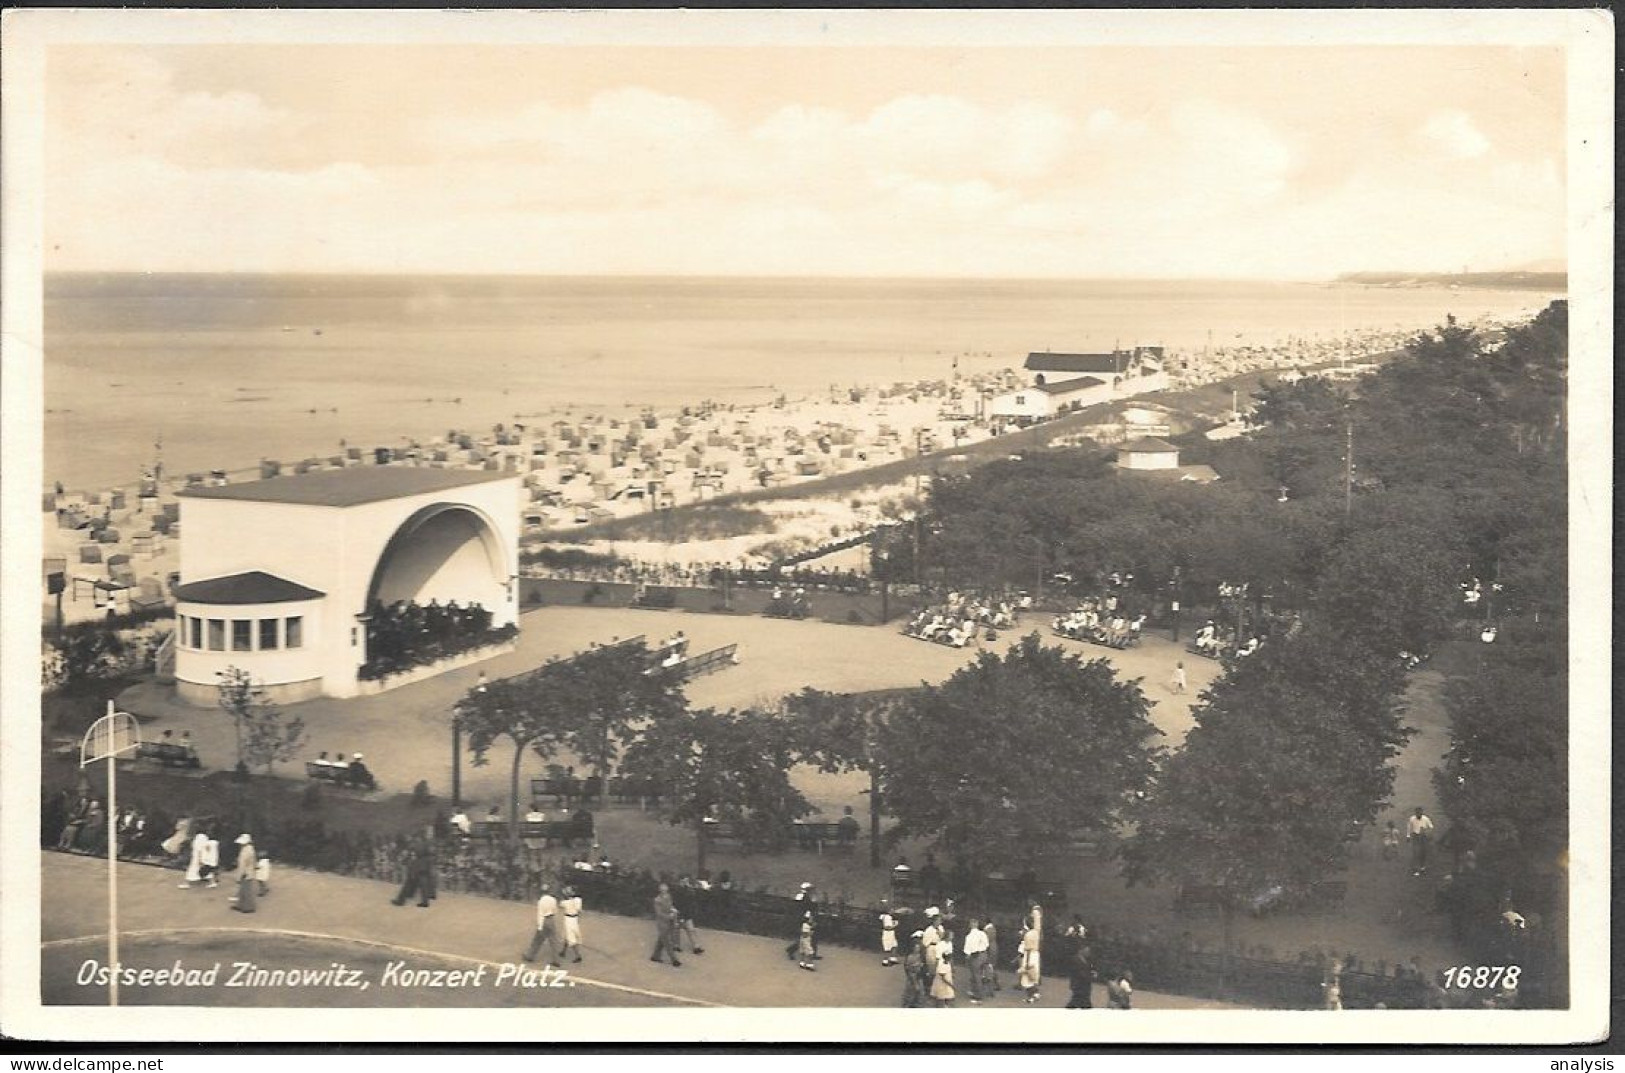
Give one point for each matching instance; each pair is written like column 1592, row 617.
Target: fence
column 503, row 870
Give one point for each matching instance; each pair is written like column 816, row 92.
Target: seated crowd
column 1103, row 620
column 961, row 619
column 786, row 602
column 408, row 634
column 351, row 772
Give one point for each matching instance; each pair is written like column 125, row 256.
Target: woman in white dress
column 942, row 979
column 570, row 909
column 194, row 867
column 1028, row 968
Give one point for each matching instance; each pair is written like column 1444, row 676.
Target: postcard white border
column 1587, row 36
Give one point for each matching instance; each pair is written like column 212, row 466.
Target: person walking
column 1028, row 972
column 244, row 901
column 913, row 971
column 1390, row 841
column 547, row 912
column 665, row 927
column 942, row 980
column 194, row 866
column 1120, row 991
column 1179, row 684
column 991, row 965
column 975, row 948
column 419, row 873
column 1419, row 830
column 211, row 861
column 888, row 936
column 804, row 947
column 1081, row 975
column 683, row 903
column 570, row 910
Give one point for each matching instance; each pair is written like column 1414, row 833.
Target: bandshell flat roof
column 352, row 486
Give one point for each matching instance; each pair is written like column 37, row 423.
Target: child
column 888, row 938
column 804, row 945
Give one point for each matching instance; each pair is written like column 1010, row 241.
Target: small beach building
column 1147, row 452
column 1159, row 458
column 277, row 576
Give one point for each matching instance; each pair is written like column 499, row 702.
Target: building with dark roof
column 278, row 576
column 1067, row 382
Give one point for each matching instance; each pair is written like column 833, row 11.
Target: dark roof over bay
column 253, row 587
column 1075, row 363
column 1147, row 445
column 350, row 487
column 1066, row 387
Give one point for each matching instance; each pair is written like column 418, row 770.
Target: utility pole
column 1348, row 466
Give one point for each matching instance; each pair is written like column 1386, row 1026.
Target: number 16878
column 1482, row 977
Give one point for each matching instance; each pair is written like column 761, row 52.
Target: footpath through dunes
column 351, row 921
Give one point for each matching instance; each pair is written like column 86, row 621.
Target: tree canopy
column 1014, row 753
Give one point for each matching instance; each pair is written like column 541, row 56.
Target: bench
column 694, row 666
column 168, row 754
column 339, row 774
column 546, row 831
column 722, row 831
column 564, row 789
column 816, row 834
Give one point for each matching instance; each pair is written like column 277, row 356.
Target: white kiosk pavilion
column 278, row 575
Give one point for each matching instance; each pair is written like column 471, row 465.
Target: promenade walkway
column 735, row 970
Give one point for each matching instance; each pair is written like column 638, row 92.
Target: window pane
column 242, row 635
column 267, row 633
column 217, row 635
column 296, row 632
column 197, row 632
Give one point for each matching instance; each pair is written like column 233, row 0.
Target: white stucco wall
column 336, row 550
column 196, row 668
column 1028, row 402
column 1148, row 460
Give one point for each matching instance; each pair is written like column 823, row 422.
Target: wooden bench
column 564, row 789
column 168, row 754
column 339, row 774
column 694, row 666
column 545, row 831
column 722, row 831
column 816, row 834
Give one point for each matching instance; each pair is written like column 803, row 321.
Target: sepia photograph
column 752, row 525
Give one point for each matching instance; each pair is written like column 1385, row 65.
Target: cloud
column 150, row 173
column 1453, row 133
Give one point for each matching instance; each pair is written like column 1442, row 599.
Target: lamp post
column 108, row 738
column 883, row 560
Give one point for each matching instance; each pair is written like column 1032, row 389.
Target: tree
column 727, row 766
column 264, row 737
column 1504, row 782
column 1292, row 749
column 607, row 695
column 836, row 732
column 520, row 709
column 1014, row 753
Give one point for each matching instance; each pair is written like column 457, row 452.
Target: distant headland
column 1522, row 280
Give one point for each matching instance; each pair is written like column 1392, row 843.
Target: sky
column 1296, row 162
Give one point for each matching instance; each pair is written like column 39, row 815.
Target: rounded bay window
column 262, row 624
